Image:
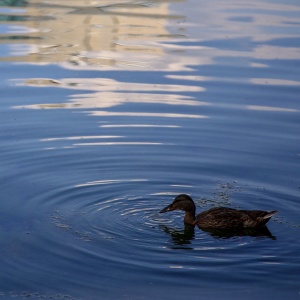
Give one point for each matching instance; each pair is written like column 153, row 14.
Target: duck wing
column 225, row 217
column 221, row 217
column 259, row 217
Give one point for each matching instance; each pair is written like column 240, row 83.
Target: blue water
column 109, row 109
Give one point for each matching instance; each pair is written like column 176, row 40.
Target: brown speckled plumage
column 219, row 217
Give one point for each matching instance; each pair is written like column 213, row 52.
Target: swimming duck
column 219, row 217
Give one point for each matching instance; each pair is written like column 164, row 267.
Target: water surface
column 109, row 109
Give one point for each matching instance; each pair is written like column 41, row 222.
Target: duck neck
column 189, row 217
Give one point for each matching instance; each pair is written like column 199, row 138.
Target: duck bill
column 167, row 208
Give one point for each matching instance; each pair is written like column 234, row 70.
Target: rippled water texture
column 109, row 109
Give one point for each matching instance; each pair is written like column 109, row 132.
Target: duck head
column 181, row 202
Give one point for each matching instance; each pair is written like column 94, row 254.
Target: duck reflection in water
column 180, row 237
column 221, row 222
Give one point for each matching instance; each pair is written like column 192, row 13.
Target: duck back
column 226, row 218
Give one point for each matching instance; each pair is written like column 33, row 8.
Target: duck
column 219, row 217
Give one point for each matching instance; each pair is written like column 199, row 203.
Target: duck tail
column 270, row 214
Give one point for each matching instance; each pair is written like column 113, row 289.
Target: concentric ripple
column 126, row 225
column 109, row 213
column 102, row 216
column 114, row 224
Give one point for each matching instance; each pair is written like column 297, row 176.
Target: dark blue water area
column 89, row 156
column 79, row 218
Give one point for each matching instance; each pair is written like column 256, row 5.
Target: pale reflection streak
column 261, row 81
column 107, row 84
column 110, row 181
column 182, row 185
column 190, row 77
column 70, row 138
column 267, row 52
column 274, row 81
column 110, row 143
column 164, row 194
column 138, row 126
column 204, row 78
column 143, row 114
column 271, row 108
column 109, row 93
column 119, row 144
column 106, row 99
column 127, row 61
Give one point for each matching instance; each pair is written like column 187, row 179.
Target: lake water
column 109, row 109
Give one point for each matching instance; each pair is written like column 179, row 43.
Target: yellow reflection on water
column 93, row 33
column 141, row 35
